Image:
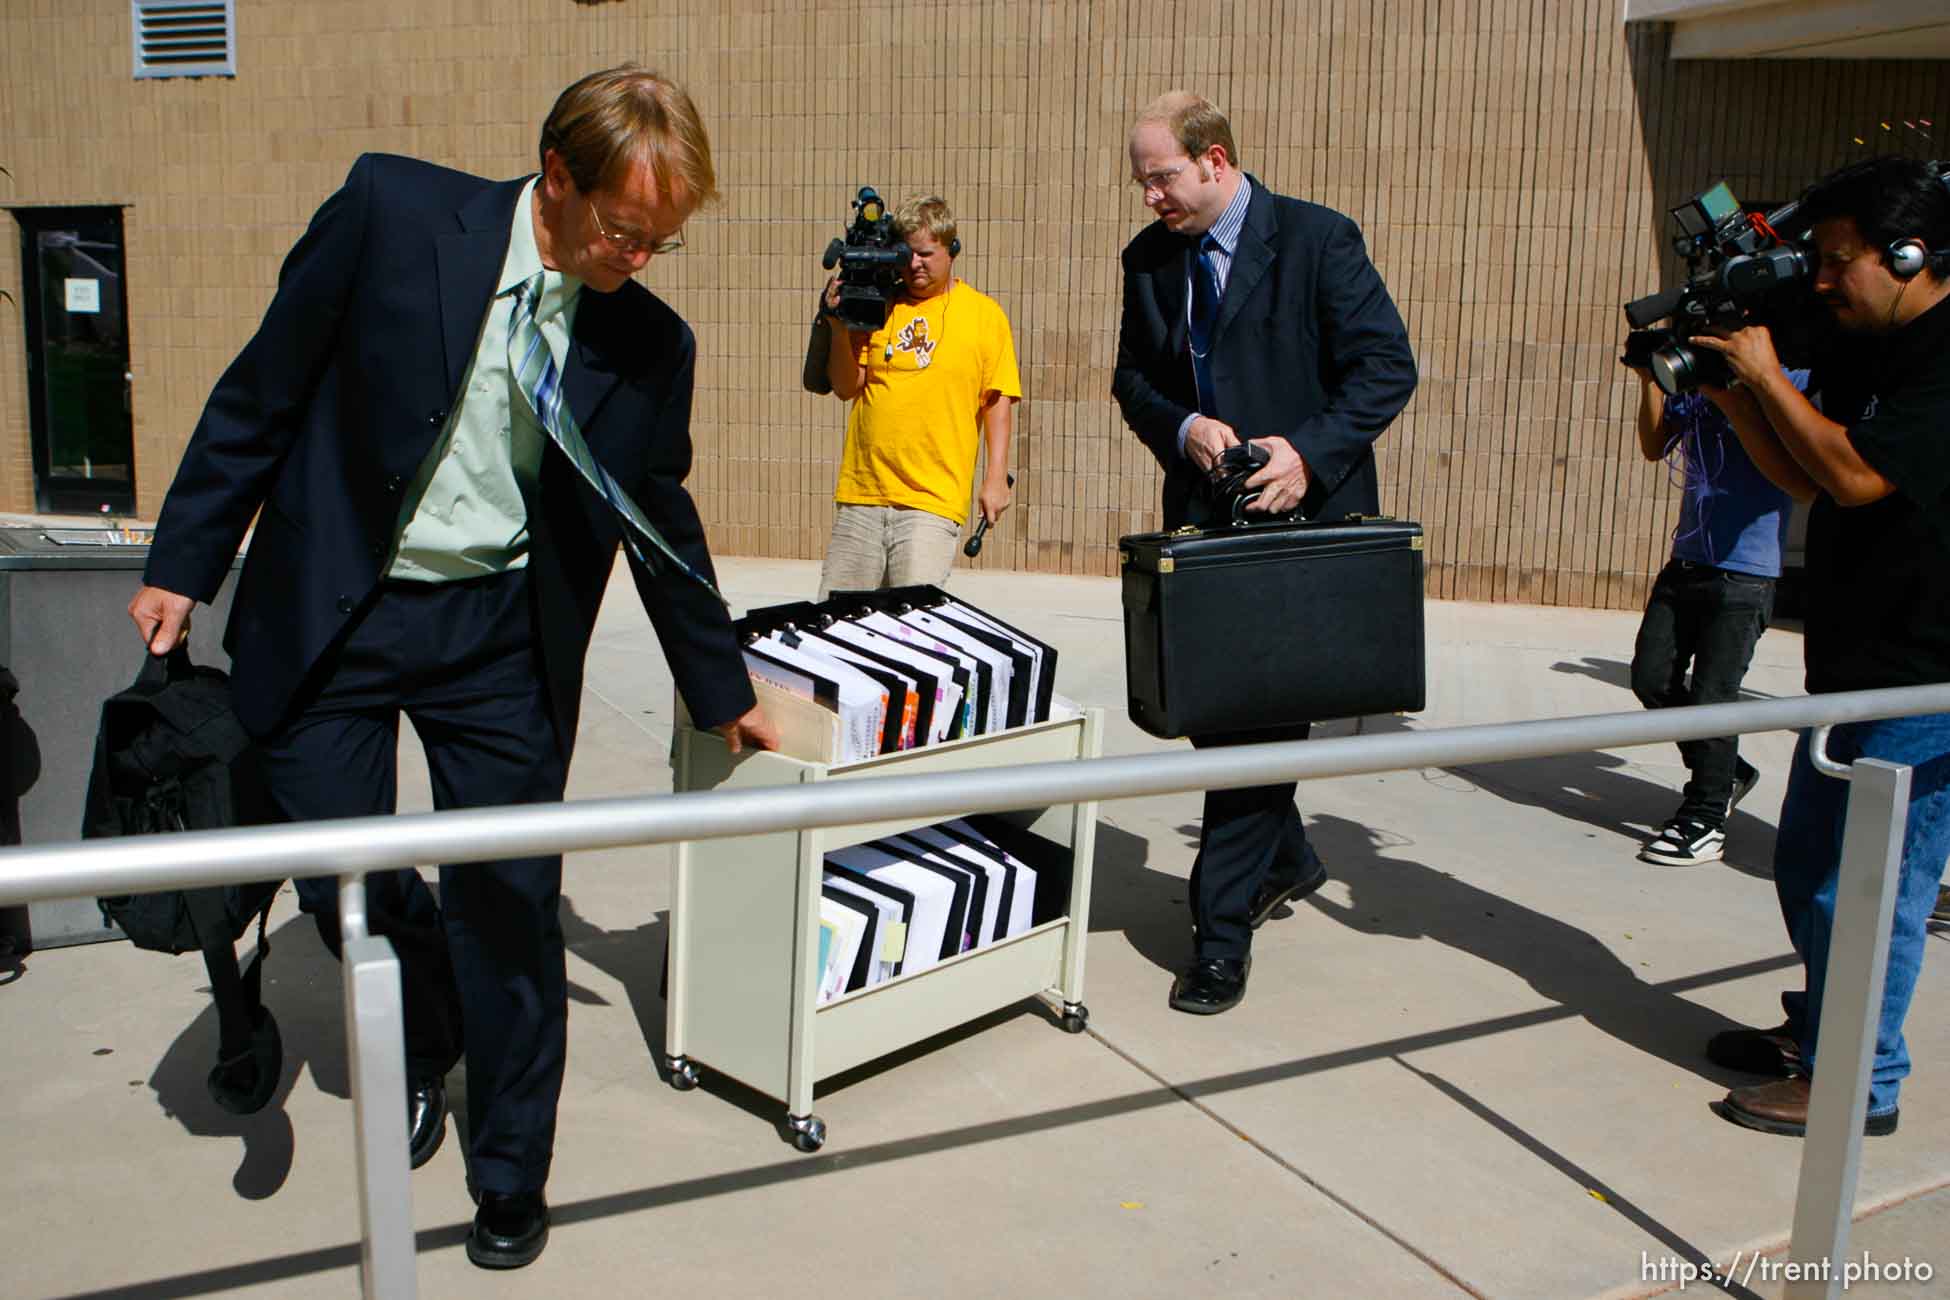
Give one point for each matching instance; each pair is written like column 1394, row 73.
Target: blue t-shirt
column 1731, row 517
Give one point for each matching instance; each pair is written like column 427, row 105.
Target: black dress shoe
column 1774, row 1052
column 510, row 1230
column 1211, row 985
column 1274, row 893
column 426, row 1121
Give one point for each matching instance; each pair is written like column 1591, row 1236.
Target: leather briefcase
column 1263, row 626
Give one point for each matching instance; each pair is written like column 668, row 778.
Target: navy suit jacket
column 1308, row 347
column 326, row 415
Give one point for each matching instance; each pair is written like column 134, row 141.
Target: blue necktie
column 533, row 366
column 1205, row 318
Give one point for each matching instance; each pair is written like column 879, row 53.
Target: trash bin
column 66, row 636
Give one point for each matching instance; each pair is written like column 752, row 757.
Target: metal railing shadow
column 798, row 1168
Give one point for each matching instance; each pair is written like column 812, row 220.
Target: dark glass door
column 78, row 359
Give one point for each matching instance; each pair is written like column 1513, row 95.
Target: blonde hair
column 928, row 212
column 1193, row 122
column 611, row 120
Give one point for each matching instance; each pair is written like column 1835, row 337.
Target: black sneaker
column 1685, row 843
column 1942, row 911
column 1745, row 777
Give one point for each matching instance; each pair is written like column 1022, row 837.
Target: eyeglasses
column 632, row 244
column 1155, row 182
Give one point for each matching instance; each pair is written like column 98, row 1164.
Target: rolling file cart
column 744, row 919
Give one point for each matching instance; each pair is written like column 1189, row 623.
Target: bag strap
column 238, row 996
column 819, row 342
column 158, row 671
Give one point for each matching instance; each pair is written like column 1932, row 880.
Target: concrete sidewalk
column 1470, row 1065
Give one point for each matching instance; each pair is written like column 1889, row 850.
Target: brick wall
column 1509, row 162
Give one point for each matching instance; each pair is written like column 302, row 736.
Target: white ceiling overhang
column 1801, row 29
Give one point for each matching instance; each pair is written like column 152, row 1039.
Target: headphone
column 1907, row 257
column 954, row 247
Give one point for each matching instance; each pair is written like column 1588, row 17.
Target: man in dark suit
column 1249, row 316
column 427, row 543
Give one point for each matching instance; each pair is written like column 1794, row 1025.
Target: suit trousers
column 1248, row 837
column 483, row 968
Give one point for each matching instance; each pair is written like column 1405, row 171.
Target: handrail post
column 376, row 1045
column 1851, row 1011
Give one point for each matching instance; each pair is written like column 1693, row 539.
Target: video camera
column 871, row 258
column 1742, row 268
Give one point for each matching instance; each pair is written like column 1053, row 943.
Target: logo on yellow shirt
column 915, row 341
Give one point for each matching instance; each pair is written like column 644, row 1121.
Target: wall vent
column 185, row 38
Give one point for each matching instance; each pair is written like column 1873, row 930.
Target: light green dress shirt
column 466, row 513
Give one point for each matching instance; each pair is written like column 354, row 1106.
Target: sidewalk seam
column 1332, row 1197
column 1779, row 1245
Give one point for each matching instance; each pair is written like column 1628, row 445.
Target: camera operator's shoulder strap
column 819, row 344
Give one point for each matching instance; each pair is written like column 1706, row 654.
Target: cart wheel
column 1076, row 1017
column 683, row 1074
column 808, row 1132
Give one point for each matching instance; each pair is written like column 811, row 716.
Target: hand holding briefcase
column 1262, row 626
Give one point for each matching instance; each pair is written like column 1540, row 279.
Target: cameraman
column 940, row 371
column 1875, row 459
column 1709, row 604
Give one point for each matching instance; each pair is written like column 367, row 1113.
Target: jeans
column 1807, row 857
column 1709, row 618
column 887, row 546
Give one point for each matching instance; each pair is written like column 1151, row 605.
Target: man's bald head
column 1193, row 122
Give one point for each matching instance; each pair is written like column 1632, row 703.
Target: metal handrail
column 351, row 846
column 330, row 848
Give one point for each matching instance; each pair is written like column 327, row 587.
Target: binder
column 1020, row 880
column 896, row 711
column 971, row 889
column 849, row 928
column 974, row 674
column 997, row 878
column 934, row 913
column 860, row 701
column 1047, row 883
column 1005, row 696
column 903, row 702
column 1044, row 654
column 902, row 899
column 945, row 707
column 887, row 933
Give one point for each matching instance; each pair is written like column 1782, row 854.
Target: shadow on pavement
column 1396, row 896
column 302, row 989
column 842, row 1159
column 1677, row 1246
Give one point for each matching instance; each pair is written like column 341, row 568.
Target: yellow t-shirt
column 912, row 434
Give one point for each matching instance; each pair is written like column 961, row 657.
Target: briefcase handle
column 1241, row 520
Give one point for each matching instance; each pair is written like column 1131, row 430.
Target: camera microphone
column 973, row 547
column 1642, row 312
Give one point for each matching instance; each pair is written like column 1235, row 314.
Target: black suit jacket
column 326, row 415
column 1308, row 346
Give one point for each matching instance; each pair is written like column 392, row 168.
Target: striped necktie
column 533, row 365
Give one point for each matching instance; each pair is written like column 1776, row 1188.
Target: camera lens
column 1680, row 369
column 1675, row 368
